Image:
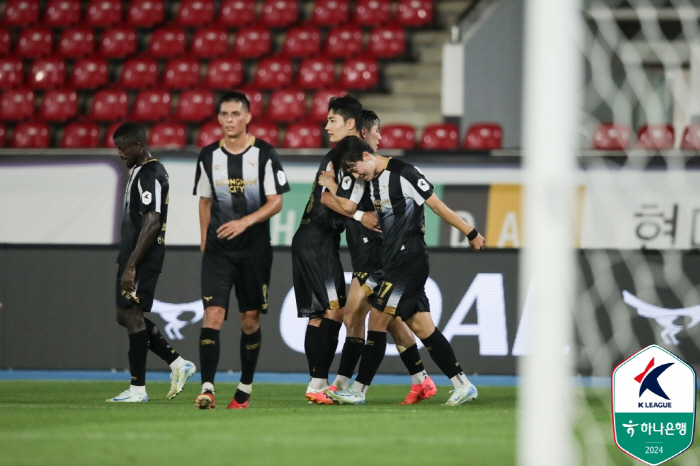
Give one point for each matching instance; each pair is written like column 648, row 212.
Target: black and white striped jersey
column 398, row 194
column 146, row 191
column 239, row 185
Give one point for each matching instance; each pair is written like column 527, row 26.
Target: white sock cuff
column 460, row 380
column 176, row 364
column 246, row 388
column 341, row 382
column 208, row 386
column 139, row 389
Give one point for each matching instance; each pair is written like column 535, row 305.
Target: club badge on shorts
column 653, row 404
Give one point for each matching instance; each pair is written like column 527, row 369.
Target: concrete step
column 409, row 86
column 418, row 120
column 420, row 38
column 430, row 55
column 401, row 102
column 447, row 11
column 413, row 71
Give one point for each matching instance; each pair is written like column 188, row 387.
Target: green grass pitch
column 56, row 423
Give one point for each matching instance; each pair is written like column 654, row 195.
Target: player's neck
column 237, row 144
column 380, row 163
column 143, row 159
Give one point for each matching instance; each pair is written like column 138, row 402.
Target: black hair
column 348, row 107
column 235, row 96
column 350, row 150
column 130, row 132
column 369, row 119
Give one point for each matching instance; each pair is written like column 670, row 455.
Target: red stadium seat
column 360, row 73
column 387, row 42
column 330, row 12
column 372, row 13
column 236, row 13
column 302, row 42
column 139, row 73
column 484, row 136
column 62, row 13
column 47, row 73
column 440, row 137
column 398, row 136
column 265, row 131
column 89, row 73
column 344, row 42
column 611, row 136
column 151, row 105
column 273, row 73
column 209, row 43
column 655, row 137
column 181, row 74
column 319, row 104
column 5, row 42
column 195, row 106
column 103, row 13
column 316, row 73
column 81, row 136
column 252, row 42
column 145, row 13
column 59, row 105
column 76, row 43
column 11, row 72
column 209, row 133
column 224, row 73
column 167, row 43
column 31, row 135
column 195, row 13
column 3, row 135
column 16, row 105
column 34, row 43
column 21, row 13
column 255, row 97
column 279, row 13
column 691, row 138
column 303, row 135
column 286, row 106
column 109, row 105
column 167, row 135
column 108, row 141
column 118, row 43
column 415, row 13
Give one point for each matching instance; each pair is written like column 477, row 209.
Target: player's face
column 129, row 152
column 233, row 118
column 373, row 137
column 337, row 127
column 364, row 169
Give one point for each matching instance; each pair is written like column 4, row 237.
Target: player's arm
column 343, row 205
column 204, row 220
column 149, row 231
column 202, row 188
column 449, row 216
column 230, row 230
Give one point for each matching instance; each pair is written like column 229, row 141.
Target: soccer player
column 366, row 252
column 319, row 281
column 240, row 182
column 399, row 190
column 140, row 261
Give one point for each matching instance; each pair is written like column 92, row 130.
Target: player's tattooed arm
column 204, row 220
column 449, row 216
column 230, row 230
column 149, row 231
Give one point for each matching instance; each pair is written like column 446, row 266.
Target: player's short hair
column 130, row 132
column 235, row 96
column 350, row 150
column 348, row 107
column 369, row 119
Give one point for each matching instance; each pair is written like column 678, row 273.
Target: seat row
column 231, row 14
column 250, row 43
column 618, row 137
column 485, row 136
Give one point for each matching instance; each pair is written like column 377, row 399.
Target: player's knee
column 133, row 320
column 250, row 322
column 214, row 317
column 121, row 318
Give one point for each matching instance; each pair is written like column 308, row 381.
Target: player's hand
column 478, row 243
column 326, row 179
column 230, row 230
column 369, row 220
column 128, row 278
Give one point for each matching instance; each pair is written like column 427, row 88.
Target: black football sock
column 250, row 350
column 352, row 351
column 311, row 347
column 411, row 359
column 372, row 356
column 241, row 397
column 329, row 343
column 209, row 351
column 138, row 352
column 158, row 344
column 442, row 353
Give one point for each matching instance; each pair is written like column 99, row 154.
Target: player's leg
column 422, row 386
column 181, row 369
column 444, row 356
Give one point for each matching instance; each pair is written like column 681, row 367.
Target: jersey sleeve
column 275, row 179
column 350, row 187
column 152, row 192
column 202, row 186
column 415, row 184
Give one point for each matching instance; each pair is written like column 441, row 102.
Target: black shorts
column 145, row 281
column 369, row 281
column 319, row 281
column 249, row 275
column 402, row 292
